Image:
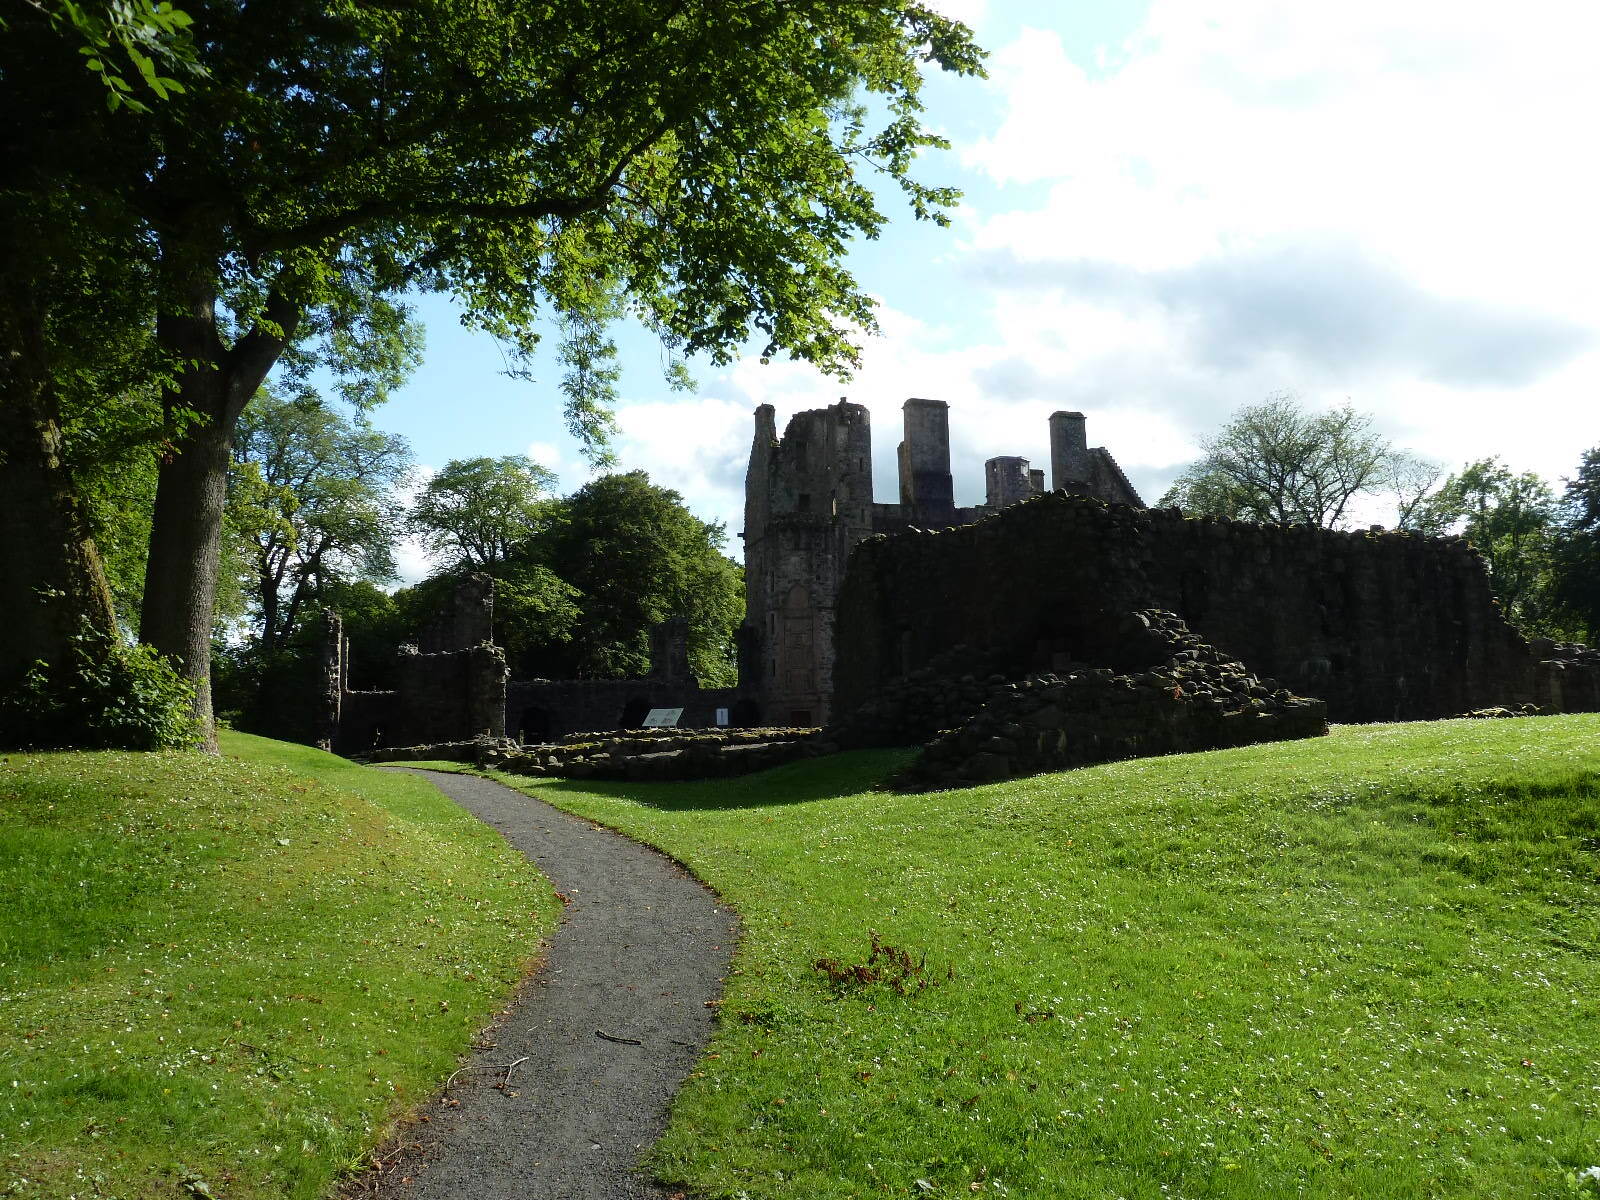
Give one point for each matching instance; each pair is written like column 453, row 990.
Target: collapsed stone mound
column 909, row 710
column 1165, row 692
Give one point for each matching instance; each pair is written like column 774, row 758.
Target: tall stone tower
column 927, row 494
column 808, row 500
column 1076, row 467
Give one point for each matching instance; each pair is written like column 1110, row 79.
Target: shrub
column 107, row 695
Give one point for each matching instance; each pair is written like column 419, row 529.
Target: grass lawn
column 1366, row 965
column 227, row 976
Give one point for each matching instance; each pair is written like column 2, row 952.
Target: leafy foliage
column 638, row 557
column 700, row 167
column 1577, row 554
column 312, row 493
column 475, row 510
column 582, row 580
column 1511, row 519
column 149, row 34
column 109, row 696
column 1279, row 464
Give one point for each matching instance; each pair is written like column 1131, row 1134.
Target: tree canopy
column 1578, row 552
column 476, row 510
column 581, row 588
column 313, row 493
column 1511, row 518
column 1279, row 463
column 637, row 556
column 698, row 165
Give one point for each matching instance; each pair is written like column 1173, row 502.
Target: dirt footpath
column 609, row 1028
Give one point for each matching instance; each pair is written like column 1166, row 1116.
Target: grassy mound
column 1360, row 966
column 228, row 975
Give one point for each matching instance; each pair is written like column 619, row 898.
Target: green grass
column 236, row 971
column 1360, row 966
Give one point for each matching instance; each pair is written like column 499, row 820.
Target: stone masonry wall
column 538, row 710
column 1382, row 626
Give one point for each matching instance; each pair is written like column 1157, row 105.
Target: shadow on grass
column 846, row 774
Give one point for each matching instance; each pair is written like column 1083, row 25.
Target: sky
column 1172, row 210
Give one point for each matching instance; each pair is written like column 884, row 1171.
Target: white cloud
column 1390, row 204
column 412, row 561
column 970, row 12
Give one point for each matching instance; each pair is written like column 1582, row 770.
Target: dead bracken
column 888, row 966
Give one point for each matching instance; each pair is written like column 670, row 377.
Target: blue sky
column 1174, row 209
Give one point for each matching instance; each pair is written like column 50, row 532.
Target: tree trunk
column 180, row 590
column 52, row 579
column 180, row 582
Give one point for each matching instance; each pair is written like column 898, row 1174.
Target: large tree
column 474, row 511
column 313, row 491
column 696, row 164
column 1510, row 517
column 637, row 556
column 1280, row 463
column 1577, row 554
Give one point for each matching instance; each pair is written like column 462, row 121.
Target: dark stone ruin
column 633, row 754
column 455, row 689
column 1033, row 632
column 1366, row 626
column 1166, row 692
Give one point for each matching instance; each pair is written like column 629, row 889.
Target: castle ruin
column 809, row 502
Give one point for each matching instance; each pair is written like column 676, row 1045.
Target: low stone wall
column 1566, row 677
column 638, row 754
column 542, row 710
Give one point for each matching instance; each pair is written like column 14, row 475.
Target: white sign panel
column 722, row 716
column 660, row 717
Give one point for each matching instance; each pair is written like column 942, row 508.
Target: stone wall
column 448, row 696
column 539, row 710
column 465, row 617
column 1382, row 626
column 637, row 754
column 809, row 501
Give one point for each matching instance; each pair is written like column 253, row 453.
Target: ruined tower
column 808, row 500
column 927, row 494
column 1084, row 471
column 1008, row 479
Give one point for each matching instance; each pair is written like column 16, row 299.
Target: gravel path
column 641, row 949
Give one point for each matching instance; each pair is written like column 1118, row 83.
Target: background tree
column 312, row 521
column 1577, row 553
column 475, row 510
column 1279, row 464
column 1409, row 481
column 316, row 489
column 578, row 593
column 637, row 556
column 691, row 164
column 1511, row 519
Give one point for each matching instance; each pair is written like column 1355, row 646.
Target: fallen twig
column 511, row 1067
column 600, row 1033
column 487, row 1067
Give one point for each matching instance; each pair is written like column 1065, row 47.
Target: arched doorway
column 534, row 726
